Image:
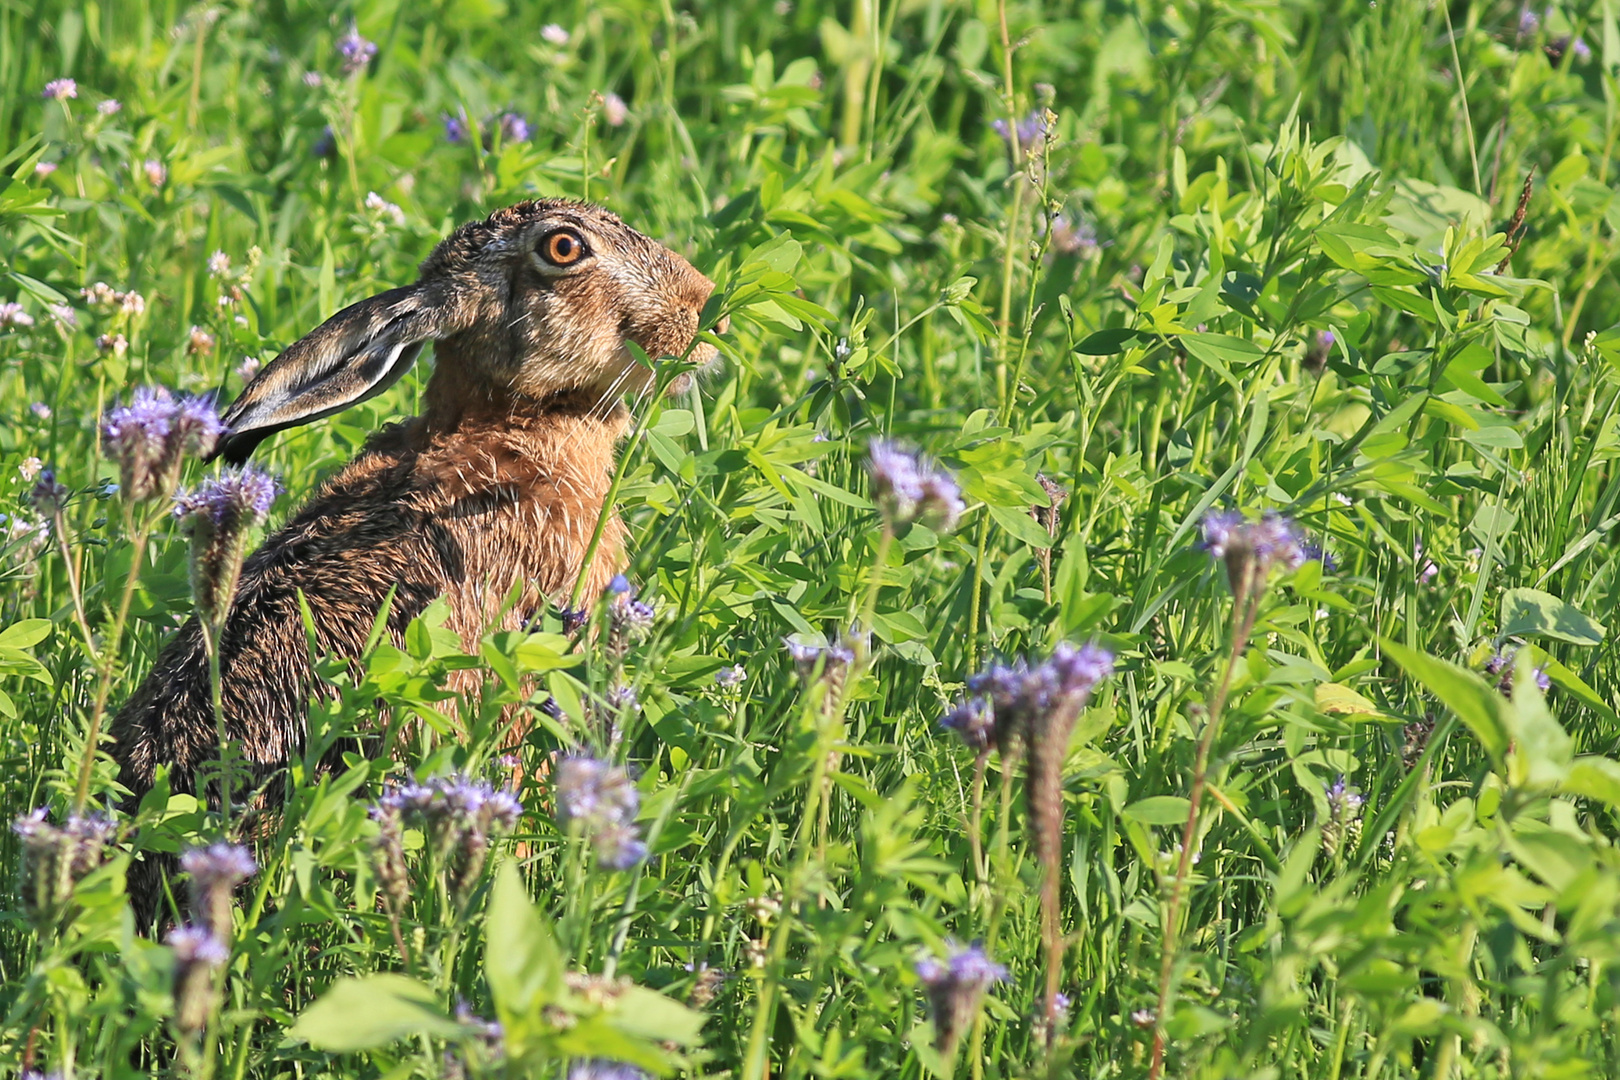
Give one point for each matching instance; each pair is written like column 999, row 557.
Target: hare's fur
column 500, row 481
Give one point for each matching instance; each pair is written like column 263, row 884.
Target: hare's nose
column 724, row 325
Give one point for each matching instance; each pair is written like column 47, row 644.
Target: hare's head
column 538, row 298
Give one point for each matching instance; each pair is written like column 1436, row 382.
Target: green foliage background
column 1136, row 310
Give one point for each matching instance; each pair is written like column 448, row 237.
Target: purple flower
column 356, row 52
column 1256, row 546
column 242, row 496
column 149, row 437
column 1505, row 664
column 906, row 488
column 108, row 107
column 198, row 952
column 216, row 870
column 513, row 127
column 955, row 989
column 196, row 945
column 48, row 495
column 614, row 110
column 1022, row 695
column 1343, row 825
column 219, row 865
column 1031, row 130
column 455, row 128
column 974, row 721
column 12, row 314
column 457, row 814
column 628, row 618
column 602, row 801
column 604, row 1069
column 325, row 144
column 834, row 657
column 60, row 90
column 729, row 678
column 56, row 857
column 554, row 34
column 1077, row 238
column 1529, row 22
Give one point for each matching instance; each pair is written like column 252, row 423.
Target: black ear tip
column 236, row 447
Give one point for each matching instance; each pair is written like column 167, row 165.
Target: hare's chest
column 533, row 535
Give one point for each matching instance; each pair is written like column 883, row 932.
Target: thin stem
column 1245, row 607
column 109, row 655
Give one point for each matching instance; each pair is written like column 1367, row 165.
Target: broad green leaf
column 1542, row 749
column 1530, row 612
column 1594, row 777
column 369, row 1012
column 1476, row 702
column 521, row 962
column 1159, row 810
column 25, row 633
column 1340, row 700
column 1115, row 339
column 650, row 1015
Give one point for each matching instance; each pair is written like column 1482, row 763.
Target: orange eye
column 562, row 247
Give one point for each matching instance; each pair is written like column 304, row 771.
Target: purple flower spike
column 602, row 801
column 907, row 488
column 513, row 126
column 241, row 495
column 149, row 437
column 355, row 51
column 974, row 721
column 956, row 989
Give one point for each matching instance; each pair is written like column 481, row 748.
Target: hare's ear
column 356, row 354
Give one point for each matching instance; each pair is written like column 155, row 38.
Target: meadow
column 1253, row 715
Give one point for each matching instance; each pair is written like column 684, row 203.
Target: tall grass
column 1170, row 259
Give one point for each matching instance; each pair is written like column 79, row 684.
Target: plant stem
column 104, row 669
column 1245, row 606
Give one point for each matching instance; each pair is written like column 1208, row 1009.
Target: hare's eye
column 562, row 248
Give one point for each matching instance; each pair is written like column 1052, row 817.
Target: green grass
column 1134, row 311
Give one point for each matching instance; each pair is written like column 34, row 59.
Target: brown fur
column 500, row 481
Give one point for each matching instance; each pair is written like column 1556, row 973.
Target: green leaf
column 1594, row 777
column 1021, row 525
column 1530, row 612
column 1115, row 339
column 649, row 1015
column 1159, row 810
column 25, row 634
column 1476, row 702
column 373, row 1011
column 521, row 962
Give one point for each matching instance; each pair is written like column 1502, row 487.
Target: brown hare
column 499, row 482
